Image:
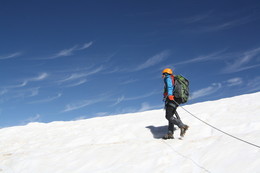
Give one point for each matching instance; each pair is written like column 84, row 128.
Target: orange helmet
column 167, row 70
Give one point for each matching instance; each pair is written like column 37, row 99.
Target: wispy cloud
column 79, row 118
column 40, row 77
column 206, row 91
column 212, row 21
column 146, row 106
column 4, row 91
column 20, row 91
column 24, row 83
column 77, row 83
column 70, row 51
column 28, row 92
column 234, row 81
column 128, row 81
column 141, row 96
column 153, row 60
column 100, row 114
column 49, row 99
column 203, row 58
column 34, row 92
column 242, row 60
column 81, row 104
column 253, row 85
column 13, row 55
column 226, row 25
column 16, row 94
column 85, row 46
column 119, row 100
column 235, row 61
column 123, row 98
column 76, row 76
column 197, row 18
column 35, row 118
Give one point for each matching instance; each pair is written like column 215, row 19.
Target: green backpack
column 181, row 88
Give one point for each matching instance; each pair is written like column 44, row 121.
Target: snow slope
column 131, row 142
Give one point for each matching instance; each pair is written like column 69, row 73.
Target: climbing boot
column 183, row 130
column 168, row 136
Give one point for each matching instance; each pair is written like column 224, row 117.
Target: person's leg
column 168, row 115
column 174, row 120
column 177, row 115
column 171, row 127
column 170, row 111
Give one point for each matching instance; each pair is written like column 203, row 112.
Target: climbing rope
column 185, row 157
column 218, row 128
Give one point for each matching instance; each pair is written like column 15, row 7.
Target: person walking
column 171, row 104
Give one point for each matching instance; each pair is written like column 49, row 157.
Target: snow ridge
column 132, row 142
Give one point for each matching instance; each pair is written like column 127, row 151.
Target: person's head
column 167, row 71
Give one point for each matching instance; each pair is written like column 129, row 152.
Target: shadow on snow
column 159, row 131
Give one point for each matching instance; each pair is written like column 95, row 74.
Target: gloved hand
column 171, row 97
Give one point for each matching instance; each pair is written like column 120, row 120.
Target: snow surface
column 131, row 142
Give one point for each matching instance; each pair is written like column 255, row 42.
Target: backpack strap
column 165, row 86
column 172, row 77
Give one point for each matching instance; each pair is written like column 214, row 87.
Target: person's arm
column 169, row 85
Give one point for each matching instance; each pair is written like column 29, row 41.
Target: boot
column 168, row 136
column 183, row 130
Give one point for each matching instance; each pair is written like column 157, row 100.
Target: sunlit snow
column 132, row 143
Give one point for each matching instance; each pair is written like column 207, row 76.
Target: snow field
column 131, row 142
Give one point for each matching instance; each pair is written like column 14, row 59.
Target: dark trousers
column 173, row 120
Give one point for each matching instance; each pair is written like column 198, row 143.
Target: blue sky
column 68, row 60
